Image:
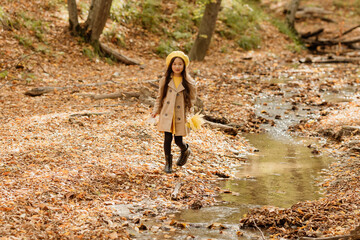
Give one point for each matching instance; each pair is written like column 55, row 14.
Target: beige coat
column 174, row 101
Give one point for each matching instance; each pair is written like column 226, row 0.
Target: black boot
column 168, row 164
column 184, row 156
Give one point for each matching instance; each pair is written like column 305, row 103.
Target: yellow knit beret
column 179, row 54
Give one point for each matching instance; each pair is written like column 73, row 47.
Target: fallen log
column 218, row 125
column 42, row 90
column 88, row 114
column 225, row 128
column 325, row 19
column 38, row 91
column 311, row 12
column 118, row 56
column 330, row 59
column 116, row 95
column 313, row 44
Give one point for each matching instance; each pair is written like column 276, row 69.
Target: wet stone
column 121, row 210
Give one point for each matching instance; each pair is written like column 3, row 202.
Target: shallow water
column 281, row 174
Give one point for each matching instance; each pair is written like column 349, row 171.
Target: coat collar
column 178, row 89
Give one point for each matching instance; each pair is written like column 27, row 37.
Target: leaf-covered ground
column 67, row 158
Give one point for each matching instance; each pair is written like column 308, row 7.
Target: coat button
column 178, row 106
column 179, row 119
column 170, row 90
column 165, row 114
column 168, row 102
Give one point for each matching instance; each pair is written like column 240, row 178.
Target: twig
column 87, row 114
column 22, row 58
column 112, row 105
column 229, row 156
column 347, row 31
column 312, row 34
column 4, row 84
column 44, row 69
column 262, row 234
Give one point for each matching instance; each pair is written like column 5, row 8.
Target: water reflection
column 280, row 174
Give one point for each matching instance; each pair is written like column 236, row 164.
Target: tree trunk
column 290, row 15
column 73, row 17
column 206, row 30
column 90, row 15
column 92, row 28
column 94, row 25
column 101, row 12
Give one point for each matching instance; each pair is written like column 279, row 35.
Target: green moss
column 149, row 17
column 29, row 77
column 88, row 52
column 165, row 47
column 36, row 26
column 109, row 61
column 283, row 28
column 25, row 41
column 124, row 11
column 2, row 14
column 3, row 74
column 357, row 6
column 7, row 21
column 340, row 3
column 248, row 42
column 44, row 49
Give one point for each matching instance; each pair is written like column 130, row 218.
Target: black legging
column 167, row 143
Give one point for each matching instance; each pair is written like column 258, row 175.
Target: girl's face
column 177, row 66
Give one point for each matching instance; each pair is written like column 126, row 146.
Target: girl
column 177, row 94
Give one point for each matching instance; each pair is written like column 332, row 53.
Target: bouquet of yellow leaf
column 195, row 121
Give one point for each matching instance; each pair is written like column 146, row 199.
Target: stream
column 282, row 171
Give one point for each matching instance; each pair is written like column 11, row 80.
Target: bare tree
column 206, row 30
column 98, row 14
column 73, row 17
column 93, row 27
column 290, row 15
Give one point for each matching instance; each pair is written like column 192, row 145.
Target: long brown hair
column 185, row 83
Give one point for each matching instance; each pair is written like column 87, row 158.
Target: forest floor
column 68, row 158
